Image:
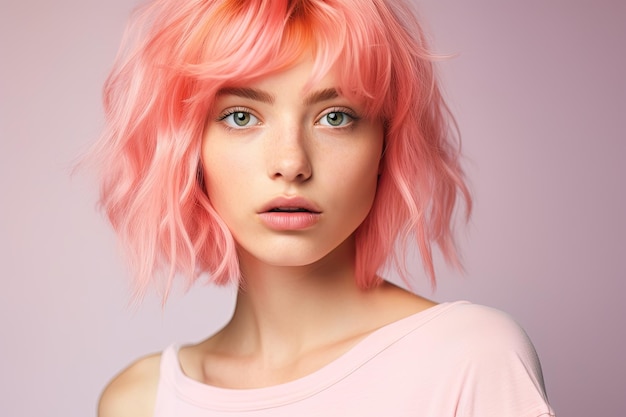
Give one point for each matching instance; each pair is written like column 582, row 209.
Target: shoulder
column 493, row 349
column 475, row 322
column 133, row 391
column 496, row 362
column 483, row 333
column 461, row 335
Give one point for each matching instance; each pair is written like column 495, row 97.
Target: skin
column 300, row 308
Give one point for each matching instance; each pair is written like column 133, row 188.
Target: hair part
column 176, row 55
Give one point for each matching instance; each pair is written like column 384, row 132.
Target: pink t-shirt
column 454, row 359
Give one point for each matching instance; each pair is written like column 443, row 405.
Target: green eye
column 336, row 119
column 240, row 119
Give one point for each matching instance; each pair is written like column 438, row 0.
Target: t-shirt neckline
column 230, row 399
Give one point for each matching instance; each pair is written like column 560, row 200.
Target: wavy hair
column 176, row 55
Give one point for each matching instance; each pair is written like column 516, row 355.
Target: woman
column 294, row 147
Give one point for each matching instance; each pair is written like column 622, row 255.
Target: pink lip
column 290, row 202
column 289, row 220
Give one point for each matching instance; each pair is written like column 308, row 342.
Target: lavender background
column 540, row 93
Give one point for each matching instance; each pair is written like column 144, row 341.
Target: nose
column 288, row 156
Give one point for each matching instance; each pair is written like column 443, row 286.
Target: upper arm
column 132, row 393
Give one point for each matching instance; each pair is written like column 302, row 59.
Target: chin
column 290, row 260
column 298, row 254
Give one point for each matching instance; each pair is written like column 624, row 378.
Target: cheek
column 367, row 173
column 355, row 179
column 218, row 178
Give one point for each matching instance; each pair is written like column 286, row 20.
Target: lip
column 291, row 202
column 290, row 220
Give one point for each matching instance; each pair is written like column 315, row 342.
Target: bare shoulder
column 133, row 391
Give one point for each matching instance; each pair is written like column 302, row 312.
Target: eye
column 336, row 119
column 239, row 119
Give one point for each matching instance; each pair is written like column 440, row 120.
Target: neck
column 291, row 321
column 292, row 309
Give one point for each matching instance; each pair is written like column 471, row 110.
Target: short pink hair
column 175, row 56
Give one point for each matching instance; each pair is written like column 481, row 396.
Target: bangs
column 246, row 41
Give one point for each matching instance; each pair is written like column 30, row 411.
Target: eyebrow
column 322, row 95
column 264, row 97
column 245, row 92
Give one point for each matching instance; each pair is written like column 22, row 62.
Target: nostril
column 291, row 169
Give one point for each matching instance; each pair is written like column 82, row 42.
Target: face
column 291, row 172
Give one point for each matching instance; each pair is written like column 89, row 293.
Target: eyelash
column 229, row 112
column 342, row 110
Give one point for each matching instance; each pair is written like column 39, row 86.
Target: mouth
column 290, row 214
column 290, row 210
column 290, row 205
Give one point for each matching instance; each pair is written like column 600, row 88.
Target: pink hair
column 177, row 54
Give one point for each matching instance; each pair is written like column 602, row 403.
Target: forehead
column 304, row 75
column 300, row 80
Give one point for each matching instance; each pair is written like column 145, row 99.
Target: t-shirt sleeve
column 501, row 370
